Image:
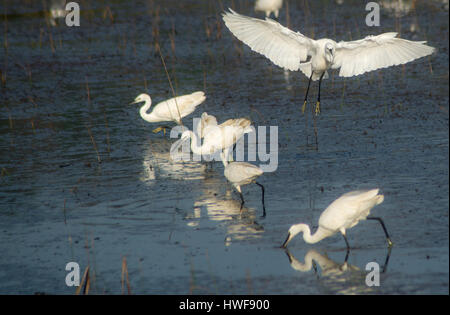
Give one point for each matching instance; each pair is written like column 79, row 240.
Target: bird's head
column 329, row 51
column 140, row 98
column 293, row 231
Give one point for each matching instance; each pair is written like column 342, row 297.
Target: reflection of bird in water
column 343, row 213
column 336, row 277
column 157, row 163
column 213, row 206
column 173, row 109
column 269, row 6
column 57, row 11
column 327, row 266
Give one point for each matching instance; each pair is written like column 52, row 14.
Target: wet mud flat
column 84, row 179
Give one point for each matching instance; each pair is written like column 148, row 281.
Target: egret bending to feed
column 220, row 137
column 173, row 109
column 295, row 51
column 243, row 173
column 343, row 213
column 269, row 6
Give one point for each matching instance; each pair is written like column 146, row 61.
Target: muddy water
column 84, row 179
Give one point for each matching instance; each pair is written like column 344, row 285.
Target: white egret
column 243, row 173
column 269, row 6
column 219, row 138
column 173, row 109
column 208, row 122
column 205, row 124
column 343, row 213
column 295, row 51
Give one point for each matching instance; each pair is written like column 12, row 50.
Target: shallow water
column 65, row 95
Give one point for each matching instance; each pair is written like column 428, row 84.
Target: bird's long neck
column 143, row 110
column 319, row 235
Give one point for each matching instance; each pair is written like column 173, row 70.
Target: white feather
column 282, row 46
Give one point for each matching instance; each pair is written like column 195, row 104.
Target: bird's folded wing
column 375, row 52
column 282, row 46
column 180, row 105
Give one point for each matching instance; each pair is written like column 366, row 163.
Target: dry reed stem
column 170, row 82
column 85, row 283
column 94, row 144
column 125, row 275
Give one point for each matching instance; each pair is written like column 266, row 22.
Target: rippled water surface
column 84, row 179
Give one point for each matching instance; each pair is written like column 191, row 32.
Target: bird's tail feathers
column 199, row 97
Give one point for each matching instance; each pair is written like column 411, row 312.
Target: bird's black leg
column 384, row 229
column 318, row 96
column 346, row 256
column 262, row 189
column 346, row 242
column 387, row 260
column 306, row 96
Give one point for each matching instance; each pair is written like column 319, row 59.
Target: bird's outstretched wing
column 376, row 52
column 282, row 46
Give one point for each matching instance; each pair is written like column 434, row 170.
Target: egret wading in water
column 269, row 6
column 343, row 213
column 294, row 51
column 173, row 109
column 219, row 137
column 243, row 173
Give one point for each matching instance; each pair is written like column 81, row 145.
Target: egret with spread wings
column 295, row 51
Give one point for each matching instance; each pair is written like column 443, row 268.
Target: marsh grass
column 124, row 277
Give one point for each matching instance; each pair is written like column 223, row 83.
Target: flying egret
column 220, row 137
column 173, row 109
column 269, row 6
column 290, row 50
column 343, row 213
column 243, row 173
